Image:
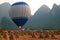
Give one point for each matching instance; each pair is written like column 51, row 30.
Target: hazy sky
column 34, row 4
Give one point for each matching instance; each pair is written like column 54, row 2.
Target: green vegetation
column 8, row 24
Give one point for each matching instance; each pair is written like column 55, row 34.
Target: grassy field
column 30, row 35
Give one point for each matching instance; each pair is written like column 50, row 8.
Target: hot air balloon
column 20, row 13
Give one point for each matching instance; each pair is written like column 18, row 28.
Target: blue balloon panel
column 19, row 3
column 20, row 21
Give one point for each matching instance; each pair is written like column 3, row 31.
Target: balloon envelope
column 20, row 12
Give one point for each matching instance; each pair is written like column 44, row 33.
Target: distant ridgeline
column 45, row 19
column 19, row 14
column 4, row 10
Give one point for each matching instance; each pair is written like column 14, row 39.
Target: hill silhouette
column 45, row 19
column 8, row 24
column 4, row 10
column 39, row 19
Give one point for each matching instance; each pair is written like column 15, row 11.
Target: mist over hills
column 8, row 24
column 44, row 18
column 39, row 18
column 54, row 22
column 4, row 10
